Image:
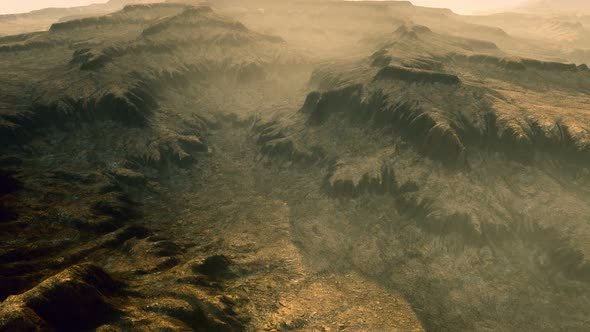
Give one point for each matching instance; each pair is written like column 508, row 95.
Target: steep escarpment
column 111, row 82
column 129, row 15
column 448, row 154
column 450, row 116
column 43, row 19
column 464, row 111
column 168, row 167
column 98, row 126
column 435, row 225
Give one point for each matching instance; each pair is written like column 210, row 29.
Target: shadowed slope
column 117, row 78
column 450, row 149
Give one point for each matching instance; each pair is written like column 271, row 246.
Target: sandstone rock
column 129, row 177
column 71, row 300
column 192, row 143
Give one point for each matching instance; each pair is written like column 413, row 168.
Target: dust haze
column 259, row 165
column 459, row 6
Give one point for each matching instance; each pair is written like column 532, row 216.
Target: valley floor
column 316, row 166
column 225, row 212
column 209, row 247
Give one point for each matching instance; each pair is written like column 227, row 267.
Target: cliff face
column 457, row 139
column 42, row 19
column 99, row 116
column 113, row 80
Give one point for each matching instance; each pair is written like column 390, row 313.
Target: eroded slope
column 449, row 169
column 432, row 178
column 98, row 126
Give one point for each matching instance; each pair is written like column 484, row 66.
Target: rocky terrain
column 294, row 166
column 41, row 20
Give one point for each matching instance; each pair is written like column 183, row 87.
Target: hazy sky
column 19, row 6
column 470, row 6
column 459, row 6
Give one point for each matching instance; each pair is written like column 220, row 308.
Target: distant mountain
column 553, row 6
column 40, row 20
column 123, row 3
